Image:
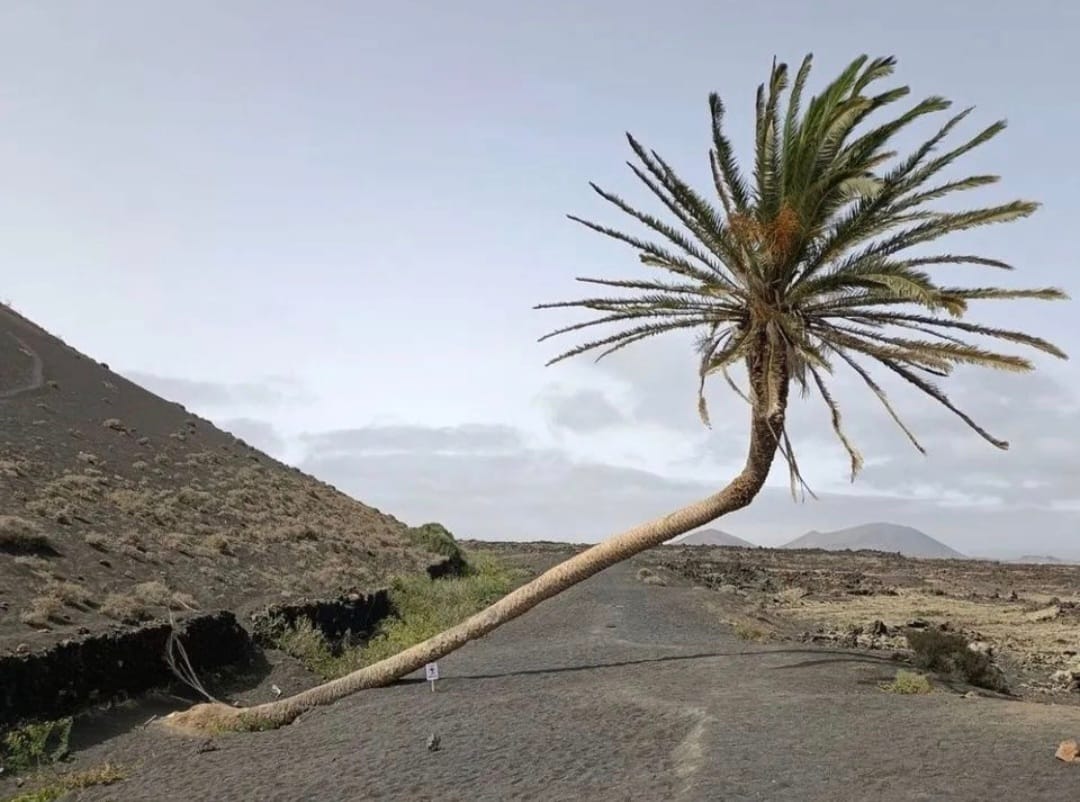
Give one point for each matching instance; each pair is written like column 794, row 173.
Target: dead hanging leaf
column 1068, row 751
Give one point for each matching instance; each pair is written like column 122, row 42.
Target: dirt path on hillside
column 622, row 691
column 37, row 372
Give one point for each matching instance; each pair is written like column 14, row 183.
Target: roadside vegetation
column 50, row 788
column 34, row 745
column 422, row 607
column 949, row 654
column 908, row 683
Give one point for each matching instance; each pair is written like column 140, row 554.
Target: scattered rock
column 113, row 423
column 1066, row 679
column 981, row 647
column 433, row 742
column 1068, row 751
column 206, row 746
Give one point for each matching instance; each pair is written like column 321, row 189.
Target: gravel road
column 622, row 691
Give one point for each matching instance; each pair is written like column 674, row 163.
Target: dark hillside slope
column 879, row 536
column 117, row 506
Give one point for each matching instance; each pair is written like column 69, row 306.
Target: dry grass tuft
column 907, row 683
column 96, row 540
column 58, row 786
column 71, row 594
column 20, row 536
column 38, row 565
column 750, row 632
column 650, row 577
column 43, row 610
column 136, row 606
column 221, row 544
column 125, row 608
column 153, row 593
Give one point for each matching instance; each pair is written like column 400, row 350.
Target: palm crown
column 811, row 262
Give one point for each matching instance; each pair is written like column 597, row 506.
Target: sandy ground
column 1028, row 614
column 618, row 690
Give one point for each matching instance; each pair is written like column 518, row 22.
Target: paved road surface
column 622, row 691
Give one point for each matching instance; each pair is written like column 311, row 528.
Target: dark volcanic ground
column 619, row 690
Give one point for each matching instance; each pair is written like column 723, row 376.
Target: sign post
column 432, row 672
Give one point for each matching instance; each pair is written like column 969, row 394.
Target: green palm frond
column 808, row 261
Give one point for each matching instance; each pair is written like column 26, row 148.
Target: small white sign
column 432, row 671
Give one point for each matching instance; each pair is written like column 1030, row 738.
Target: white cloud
column 542, row 493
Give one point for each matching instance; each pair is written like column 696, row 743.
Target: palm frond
column 838, row 429
column 812, row 257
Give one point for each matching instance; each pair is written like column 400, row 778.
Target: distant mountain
column 713, row 537
column 1044, row 559
column 879, row 537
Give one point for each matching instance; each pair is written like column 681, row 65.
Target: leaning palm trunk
column 767, row 421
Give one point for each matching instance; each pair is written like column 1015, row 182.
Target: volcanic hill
column 888, row 537
column 118, row 507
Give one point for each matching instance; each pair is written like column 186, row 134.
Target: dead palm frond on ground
column 822, row 257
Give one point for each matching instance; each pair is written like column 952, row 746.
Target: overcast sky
column 323, row 225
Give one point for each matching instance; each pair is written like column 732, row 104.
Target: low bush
column 124, row 608
column 42, row 611
column 437, row 539
column 908, row 682
column 949, row 654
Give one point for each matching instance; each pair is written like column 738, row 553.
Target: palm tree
column 813, row 263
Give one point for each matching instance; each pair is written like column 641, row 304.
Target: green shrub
column 948, row 654
column 437, row 539
column 908, row 682
column 33, row 745
column 308, row 645
column 422, row 607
